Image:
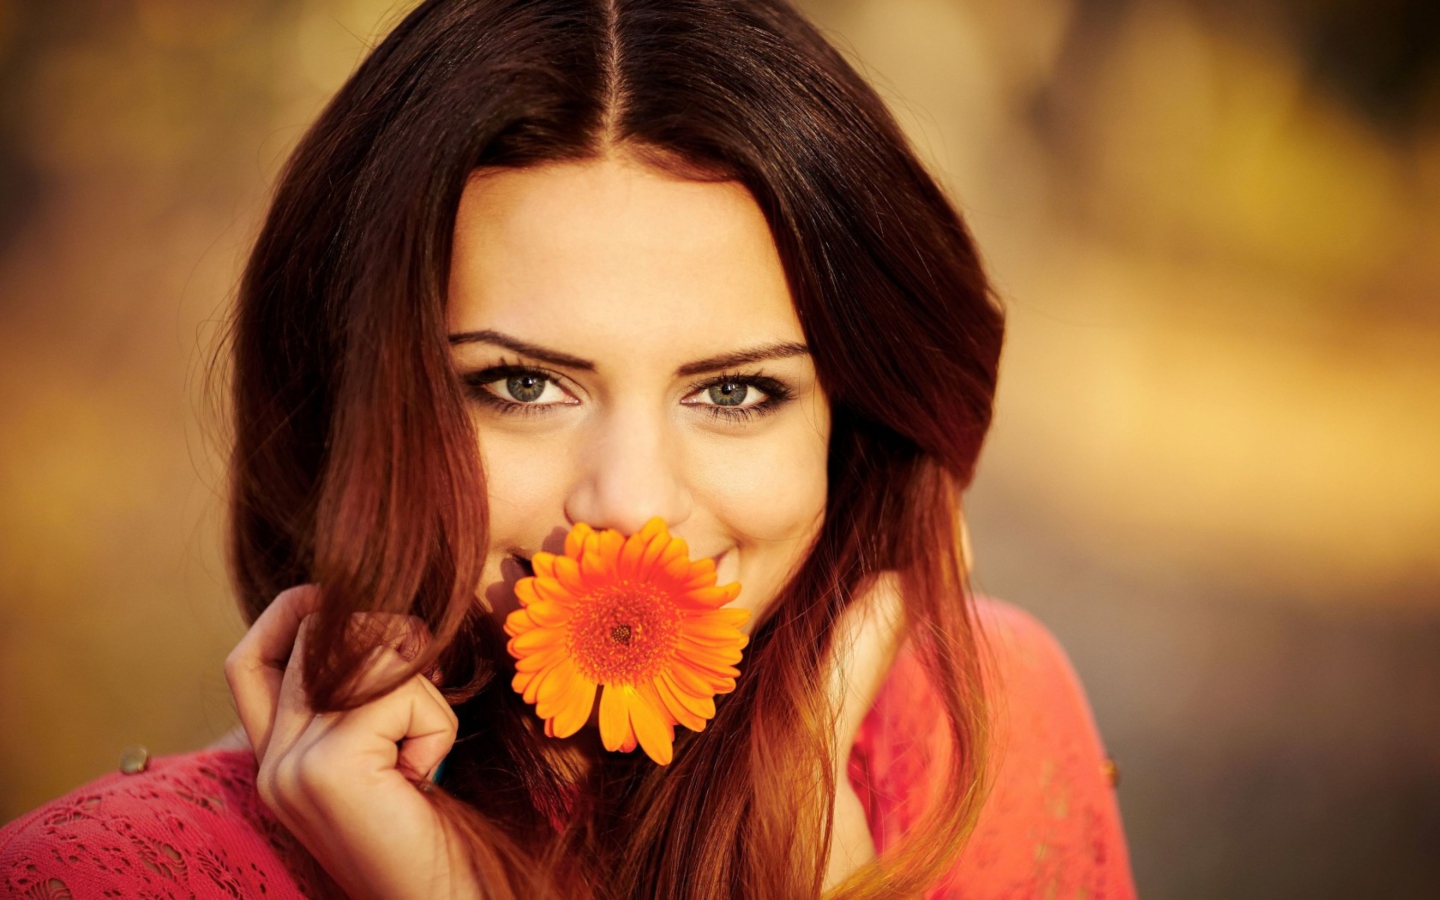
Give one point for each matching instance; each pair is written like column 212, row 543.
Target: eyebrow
column 776, row 350
column 553, row 357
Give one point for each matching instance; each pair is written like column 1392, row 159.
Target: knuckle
column 419, row 629
column 237, row 665
column 297, row 594
column 234, row 664
column 411, row 637
column 452, row 726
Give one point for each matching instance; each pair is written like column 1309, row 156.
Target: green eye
column 526, row 387
column 728, row 393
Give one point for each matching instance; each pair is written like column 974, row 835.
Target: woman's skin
column 630, row 349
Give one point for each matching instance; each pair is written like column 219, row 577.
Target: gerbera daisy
column 635, row 615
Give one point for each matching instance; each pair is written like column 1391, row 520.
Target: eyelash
column 776, row 393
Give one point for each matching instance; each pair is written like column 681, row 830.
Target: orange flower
column 635, row 615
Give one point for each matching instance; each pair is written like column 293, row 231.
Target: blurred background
column 1215, row 470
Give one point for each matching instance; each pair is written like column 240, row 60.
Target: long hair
column 355, row 461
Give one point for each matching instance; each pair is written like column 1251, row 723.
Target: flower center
column 623, row 633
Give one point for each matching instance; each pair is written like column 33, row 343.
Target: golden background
column 1213, row 474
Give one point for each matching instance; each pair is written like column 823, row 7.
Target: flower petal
column 548, row 614
column 550, row 590
column 678, row 549
column 609, row 546
column 712, row 597
column 702, row 574
column 731, row 615
column 615, row 727
column 704, row 707
column 522, row 680
column 575, row 711
column 518, row 622
column 594, row 567
column 525, row 591
column 544, row 565
column 534, row 639
column 676, row 569
column 575, row 540
column 714, row 672
column 531, row 693
column 659, row 541
column 709, row 656
column 713, row 635
column 629, row 563
column 690, row 681
column 653, row 732
column 567, row 572
column 678, row 710
column 552, row 684
column 541, row 658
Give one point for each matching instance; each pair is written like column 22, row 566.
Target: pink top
column 193, row 826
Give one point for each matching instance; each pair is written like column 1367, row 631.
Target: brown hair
column 355, row 465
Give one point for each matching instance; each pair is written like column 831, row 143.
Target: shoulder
column 1051, row 824
column 1030, row 678
column 189, row 826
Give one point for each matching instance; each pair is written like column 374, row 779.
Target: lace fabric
column 193, row 826
column 189, row 826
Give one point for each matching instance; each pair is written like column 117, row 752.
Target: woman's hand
column 348, row 784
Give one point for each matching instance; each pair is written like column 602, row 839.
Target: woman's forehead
column 609, row 257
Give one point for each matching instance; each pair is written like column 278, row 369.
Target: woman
column 561, row 263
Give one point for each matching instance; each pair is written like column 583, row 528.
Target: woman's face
column 631, row 350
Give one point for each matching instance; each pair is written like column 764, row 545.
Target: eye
column 738, row 397
column 729, row 393
column 527, row 387
column 513, row 387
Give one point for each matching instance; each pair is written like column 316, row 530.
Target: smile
column 524, row 563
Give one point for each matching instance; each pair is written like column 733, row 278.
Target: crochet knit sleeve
column 188, row 826
column 1051, row 825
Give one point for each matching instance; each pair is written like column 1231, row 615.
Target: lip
column 719, row 558
column 524, row 562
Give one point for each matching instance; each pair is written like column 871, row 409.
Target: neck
column 867, row 639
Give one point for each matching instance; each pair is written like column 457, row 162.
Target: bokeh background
column 1215, row 471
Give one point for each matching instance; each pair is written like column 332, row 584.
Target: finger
column 424, row 756
column 396, row 641
column 410, row 729
column 407, row 635
column 255, row 668
column 292, row 706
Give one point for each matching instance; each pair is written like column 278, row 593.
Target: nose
column 628, row 472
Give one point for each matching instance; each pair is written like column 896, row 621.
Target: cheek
column 769, row 501
column 773, row 494
column 525, row 479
